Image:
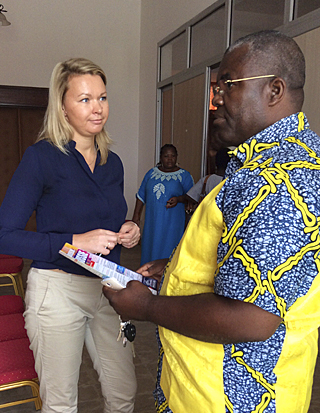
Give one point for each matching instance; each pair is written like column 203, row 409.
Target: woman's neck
column 174, row 169
column 88, row 150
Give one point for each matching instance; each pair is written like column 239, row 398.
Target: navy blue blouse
column 68, row 199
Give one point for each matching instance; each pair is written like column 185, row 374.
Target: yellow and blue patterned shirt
column 268, row 255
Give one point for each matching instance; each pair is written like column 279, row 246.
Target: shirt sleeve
column 22, row 197
column 212, row 182
column 195, row 191
column 266, row 255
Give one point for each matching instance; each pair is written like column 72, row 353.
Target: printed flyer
column 113, row 275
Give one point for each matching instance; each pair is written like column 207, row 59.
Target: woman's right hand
column 98, row 241
column 154, row 268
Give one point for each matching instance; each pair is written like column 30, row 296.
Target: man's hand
column 154, row 269
column 132, row 302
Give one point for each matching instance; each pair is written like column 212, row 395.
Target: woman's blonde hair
column 56, row 128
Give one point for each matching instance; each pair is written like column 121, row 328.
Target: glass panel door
column 303, row 7
column 249, row 16
column 173, row 56
column 208, row 37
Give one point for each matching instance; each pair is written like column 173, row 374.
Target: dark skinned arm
column 137, row 211
column 206, row 317
column 173, row 201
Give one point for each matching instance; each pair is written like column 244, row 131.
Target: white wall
column 44, row 32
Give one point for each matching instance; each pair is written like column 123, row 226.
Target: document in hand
column 113, row 275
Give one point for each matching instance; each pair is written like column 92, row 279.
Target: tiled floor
column 90, row 399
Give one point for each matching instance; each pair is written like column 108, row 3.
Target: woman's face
column 168, row 159
column 85, row 105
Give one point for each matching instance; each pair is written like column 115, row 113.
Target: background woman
column 162, row 191
column 75, row 184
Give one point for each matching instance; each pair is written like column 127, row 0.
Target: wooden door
column 21, row 115
column 166, row 118
column 188, row 119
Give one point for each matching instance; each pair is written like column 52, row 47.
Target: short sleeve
column 141, row 194
column 266, row 252
column 195, row 191
column 187, row 182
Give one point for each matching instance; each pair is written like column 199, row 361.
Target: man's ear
column 277, row 91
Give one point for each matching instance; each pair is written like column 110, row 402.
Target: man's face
column 242, row 106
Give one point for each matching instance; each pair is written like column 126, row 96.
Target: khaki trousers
column 64, row 311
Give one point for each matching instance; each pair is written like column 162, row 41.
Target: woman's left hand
column 172, row 202
column 129, row 234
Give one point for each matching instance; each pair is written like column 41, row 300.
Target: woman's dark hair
column 166, row 147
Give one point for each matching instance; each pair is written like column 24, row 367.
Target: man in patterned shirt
column 239, row 306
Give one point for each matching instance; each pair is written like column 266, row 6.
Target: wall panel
column 310, row 43
column 188, row 123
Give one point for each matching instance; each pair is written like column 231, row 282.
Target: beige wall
column 44, row 32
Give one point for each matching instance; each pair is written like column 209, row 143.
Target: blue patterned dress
column 163, row 227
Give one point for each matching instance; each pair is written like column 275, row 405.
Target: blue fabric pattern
column 163, row 227
column 270, row 207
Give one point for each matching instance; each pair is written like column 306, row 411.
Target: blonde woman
column 75, row 184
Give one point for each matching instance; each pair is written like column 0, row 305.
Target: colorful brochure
column 113, row 275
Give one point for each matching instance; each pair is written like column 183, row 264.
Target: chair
column 11, row 267
column 11, row 304
column 16, row 358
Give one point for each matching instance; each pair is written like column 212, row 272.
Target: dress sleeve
column 187, row 182
column 141, row 194
column 22, row 197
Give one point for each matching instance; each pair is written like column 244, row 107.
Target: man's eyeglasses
column 218, row 90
